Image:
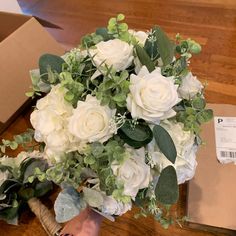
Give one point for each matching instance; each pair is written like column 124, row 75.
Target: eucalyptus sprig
column 26, row 140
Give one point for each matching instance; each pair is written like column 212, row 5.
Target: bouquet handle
column 45, row 217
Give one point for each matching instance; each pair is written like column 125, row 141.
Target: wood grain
column 211, row 22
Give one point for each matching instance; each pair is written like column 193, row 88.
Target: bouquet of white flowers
column 120, row 121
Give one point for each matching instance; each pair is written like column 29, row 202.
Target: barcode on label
column 228, row 154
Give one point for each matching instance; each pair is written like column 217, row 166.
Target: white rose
column 54, row 100
column 133, row 172
column 58, row 141
column 50, row 121
column 152, row 96
column 116, row 53
column 112, row 207
column 140, row 36
column 185, row 163
column 45, row 122
column 190, row 86
column 92, row 122
column 51, row 113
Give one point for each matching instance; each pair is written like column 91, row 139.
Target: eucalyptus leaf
column 42, row 188
column 30, row 167
column 49, row 62
column 104, row 33
column 165, row 46
column 68, row 205
column 144, row 58
column 167, row 191
column 204, row 116
column 92, row 197
column 11, row 213
column 165, row 143
column 199, row 103
column 136, row 136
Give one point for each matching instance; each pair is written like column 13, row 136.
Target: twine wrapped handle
column 45, row 217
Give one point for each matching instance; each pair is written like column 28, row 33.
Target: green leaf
column 123, row 27
column 10, row 185
column 26, row 193
column 144, row 58
column 204, row 116
column 89, row 160
column 199, row 103
column 165, row 46
column 29, row 94
column 28, row 168
column 10, row 213
column 42, row 188
column 120, row 17
column 167, row 191
column 52, row 62
column 137, row 136
column 104, row 33
column 13, row 145
column 165, row 143
column 68, row 205
column 92, row 197
column 150, row 47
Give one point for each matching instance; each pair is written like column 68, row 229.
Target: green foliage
column 118, row 194
column 193, row 114
column 118, row 29
column 165, row 46
column 92, row 197
column 151, row 47
column 25, row 140
column 113, row 90
column 165, row 143
column 178, row 69
column 71, row 202
column 136, row 136
column 144, row 58
column 187, row 47
column 48, row 65
column 28, row 166
column 10, row 212
column 74, row 89
column 167, row 191
column 68, row 171
column 17, row 190
column 42, row 188
column 90, row 40
column 103, row 32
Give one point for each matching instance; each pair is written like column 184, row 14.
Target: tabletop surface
column 210, row 22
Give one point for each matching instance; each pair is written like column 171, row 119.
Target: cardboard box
column 212, row 192
column 22, row 41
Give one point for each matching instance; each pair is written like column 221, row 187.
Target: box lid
column 19, row 53
column 9, row 22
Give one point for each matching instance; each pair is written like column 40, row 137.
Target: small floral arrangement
column 119, row 124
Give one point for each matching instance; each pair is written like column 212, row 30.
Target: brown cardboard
column 212, row 191
column 22, row 41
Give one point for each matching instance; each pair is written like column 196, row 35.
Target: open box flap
column 19, row 53
column 9, row 22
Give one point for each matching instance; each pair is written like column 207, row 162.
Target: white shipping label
column 225, row 136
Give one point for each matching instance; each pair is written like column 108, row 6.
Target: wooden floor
column 211, row 22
